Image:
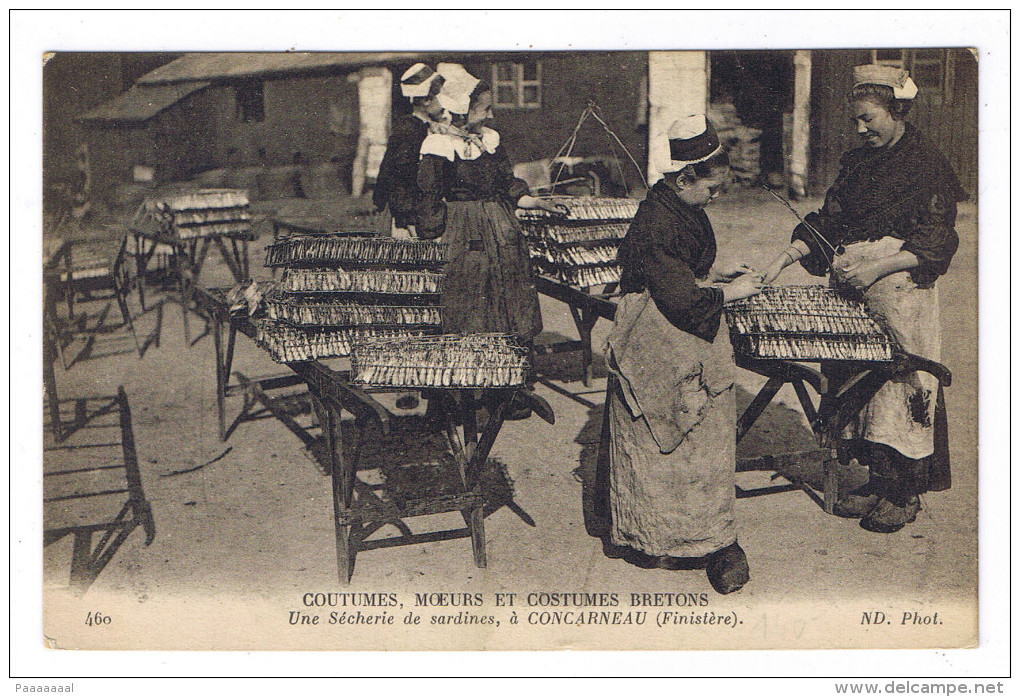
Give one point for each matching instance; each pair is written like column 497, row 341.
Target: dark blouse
column 668, row 247
column 907, row 191
column 489, row 177
column 397, row 184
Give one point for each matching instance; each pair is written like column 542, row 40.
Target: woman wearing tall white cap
column 670, row 402
column 886, row 233
column 468, row 197
column 397, row 184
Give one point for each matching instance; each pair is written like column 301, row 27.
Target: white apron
column 902, row 414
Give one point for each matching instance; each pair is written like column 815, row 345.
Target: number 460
column 95, row 619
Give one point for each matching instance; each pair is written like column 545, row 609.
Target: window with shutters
column 517, row 85
column 931, row 68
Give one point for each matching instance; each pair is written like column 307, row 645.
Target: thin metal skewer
column 808, row 225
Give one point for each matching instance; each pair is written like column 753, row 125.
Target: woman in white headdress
column 670, row 404
column 886, row 233
column 397, row 184
column 468, row 195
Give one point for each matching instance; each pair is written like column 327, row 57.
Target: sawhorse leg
column 830, row 466
column 469, row 419
column 475, row 517
column 585, row 321
column 476, row 465
column 235, row 257
column 467, row 454
column 178, row 264
column 137, row 503
column 142, row 258
column 826, row 441
column 477, row 455
column 757, row 406
column 187, row 260
column 830, row 482
column 224, row 359
column 342, row 473
column 81, row 554
column 50, row 383
column 838, row 407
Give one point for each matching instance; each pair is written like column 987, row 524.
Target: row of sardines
column 581, row 267
column 553, row 233
column 468, row 360
column 299, row 311
column 601, row 254
column 806, row 323
column 815, row 348
column 798, row 322
column 387, row 281
column 339, row 289
column 800, row 299
column 347, row 251
column 587, row 208
column 289, row 344
column 589, row 276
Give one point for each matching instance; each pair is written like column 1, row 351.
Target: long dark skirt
column 489, row 285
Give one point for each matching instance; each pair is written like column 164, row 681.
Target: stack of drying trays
column 203, row 213
column 579, row 249
column 338, row 289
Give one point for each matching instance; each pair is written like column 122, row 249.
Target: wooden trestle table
column 186, row 261
column 839, row 401
column 357, row 516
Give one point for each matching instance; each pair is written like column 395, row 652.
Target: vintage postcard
column 531, row 349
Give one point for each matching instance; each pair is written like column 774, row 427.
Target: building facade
column 269, row 112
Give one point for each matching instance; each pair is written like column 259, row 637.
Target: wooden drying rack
column 187, row 259
column 356, row 515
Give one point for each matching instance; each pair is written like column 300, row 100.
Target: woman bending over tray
column 670, row 406
column 886, row 233
column 468, row 197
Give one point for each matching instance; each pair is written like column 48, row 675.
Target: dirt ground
column 245, row 526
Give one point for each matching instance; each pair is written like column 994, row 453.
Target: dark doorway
column 757, row 88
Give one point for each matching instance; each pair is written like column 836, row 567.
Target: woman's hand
column 727, row 272
column 554, row 208
column 772, row 271
column 862, row 274
column 791, row 255
column 743, row 287
column 533, row 203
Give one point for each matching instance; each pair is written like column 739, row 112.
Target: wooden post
column 221, row 380
column 677, row 86
column 374, row 95
column 800, row 148
column 342, row 479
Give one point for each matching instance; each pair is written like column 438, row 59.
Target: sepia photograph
column 425, row 347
